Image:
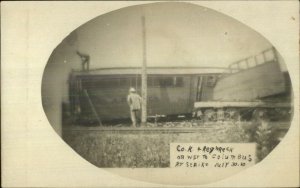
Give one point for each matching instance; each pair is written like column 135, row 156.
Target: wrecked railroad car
column 254, row 87
column 171, row 91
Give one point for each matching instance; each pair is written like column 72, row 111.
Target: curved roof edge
column 151, row 70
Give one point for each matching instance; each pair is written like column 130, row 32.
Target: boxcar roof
column 151, row 70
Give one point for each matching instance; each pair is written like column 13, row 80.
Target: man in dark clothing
column 85, row 61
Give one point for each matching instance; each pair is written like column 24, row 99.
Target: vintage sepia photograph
column 134, row 80
column 150, row 94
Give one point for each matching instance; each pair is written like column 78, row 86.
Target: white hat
column 132, row 89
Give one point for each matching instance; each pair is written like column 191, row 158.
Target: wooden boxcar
column 171, row 91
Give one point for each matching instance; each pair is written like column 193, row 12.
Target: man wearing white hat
column 134, row 102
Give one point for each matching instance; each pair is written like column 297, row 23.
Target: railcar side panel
column 166, row 95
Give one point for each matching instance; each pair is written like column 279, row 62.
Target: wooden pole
column 144, row 76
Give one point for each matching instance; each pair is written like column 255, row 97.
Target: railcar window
column 166, row 82
column 155, row 82
column 172, row 81
column 135, row 82
column 124, row 82
column 178, row 81
column 87, row 83
column 150, row 82
column 105, row 83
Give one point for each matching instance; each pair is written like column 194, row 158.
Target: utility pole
column 144, row 76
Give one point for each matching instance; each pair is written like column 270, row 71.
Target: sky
column 177, row 34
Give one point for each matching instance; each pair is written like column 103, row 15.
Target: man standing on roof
column 134, row 102
column 85, row 61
